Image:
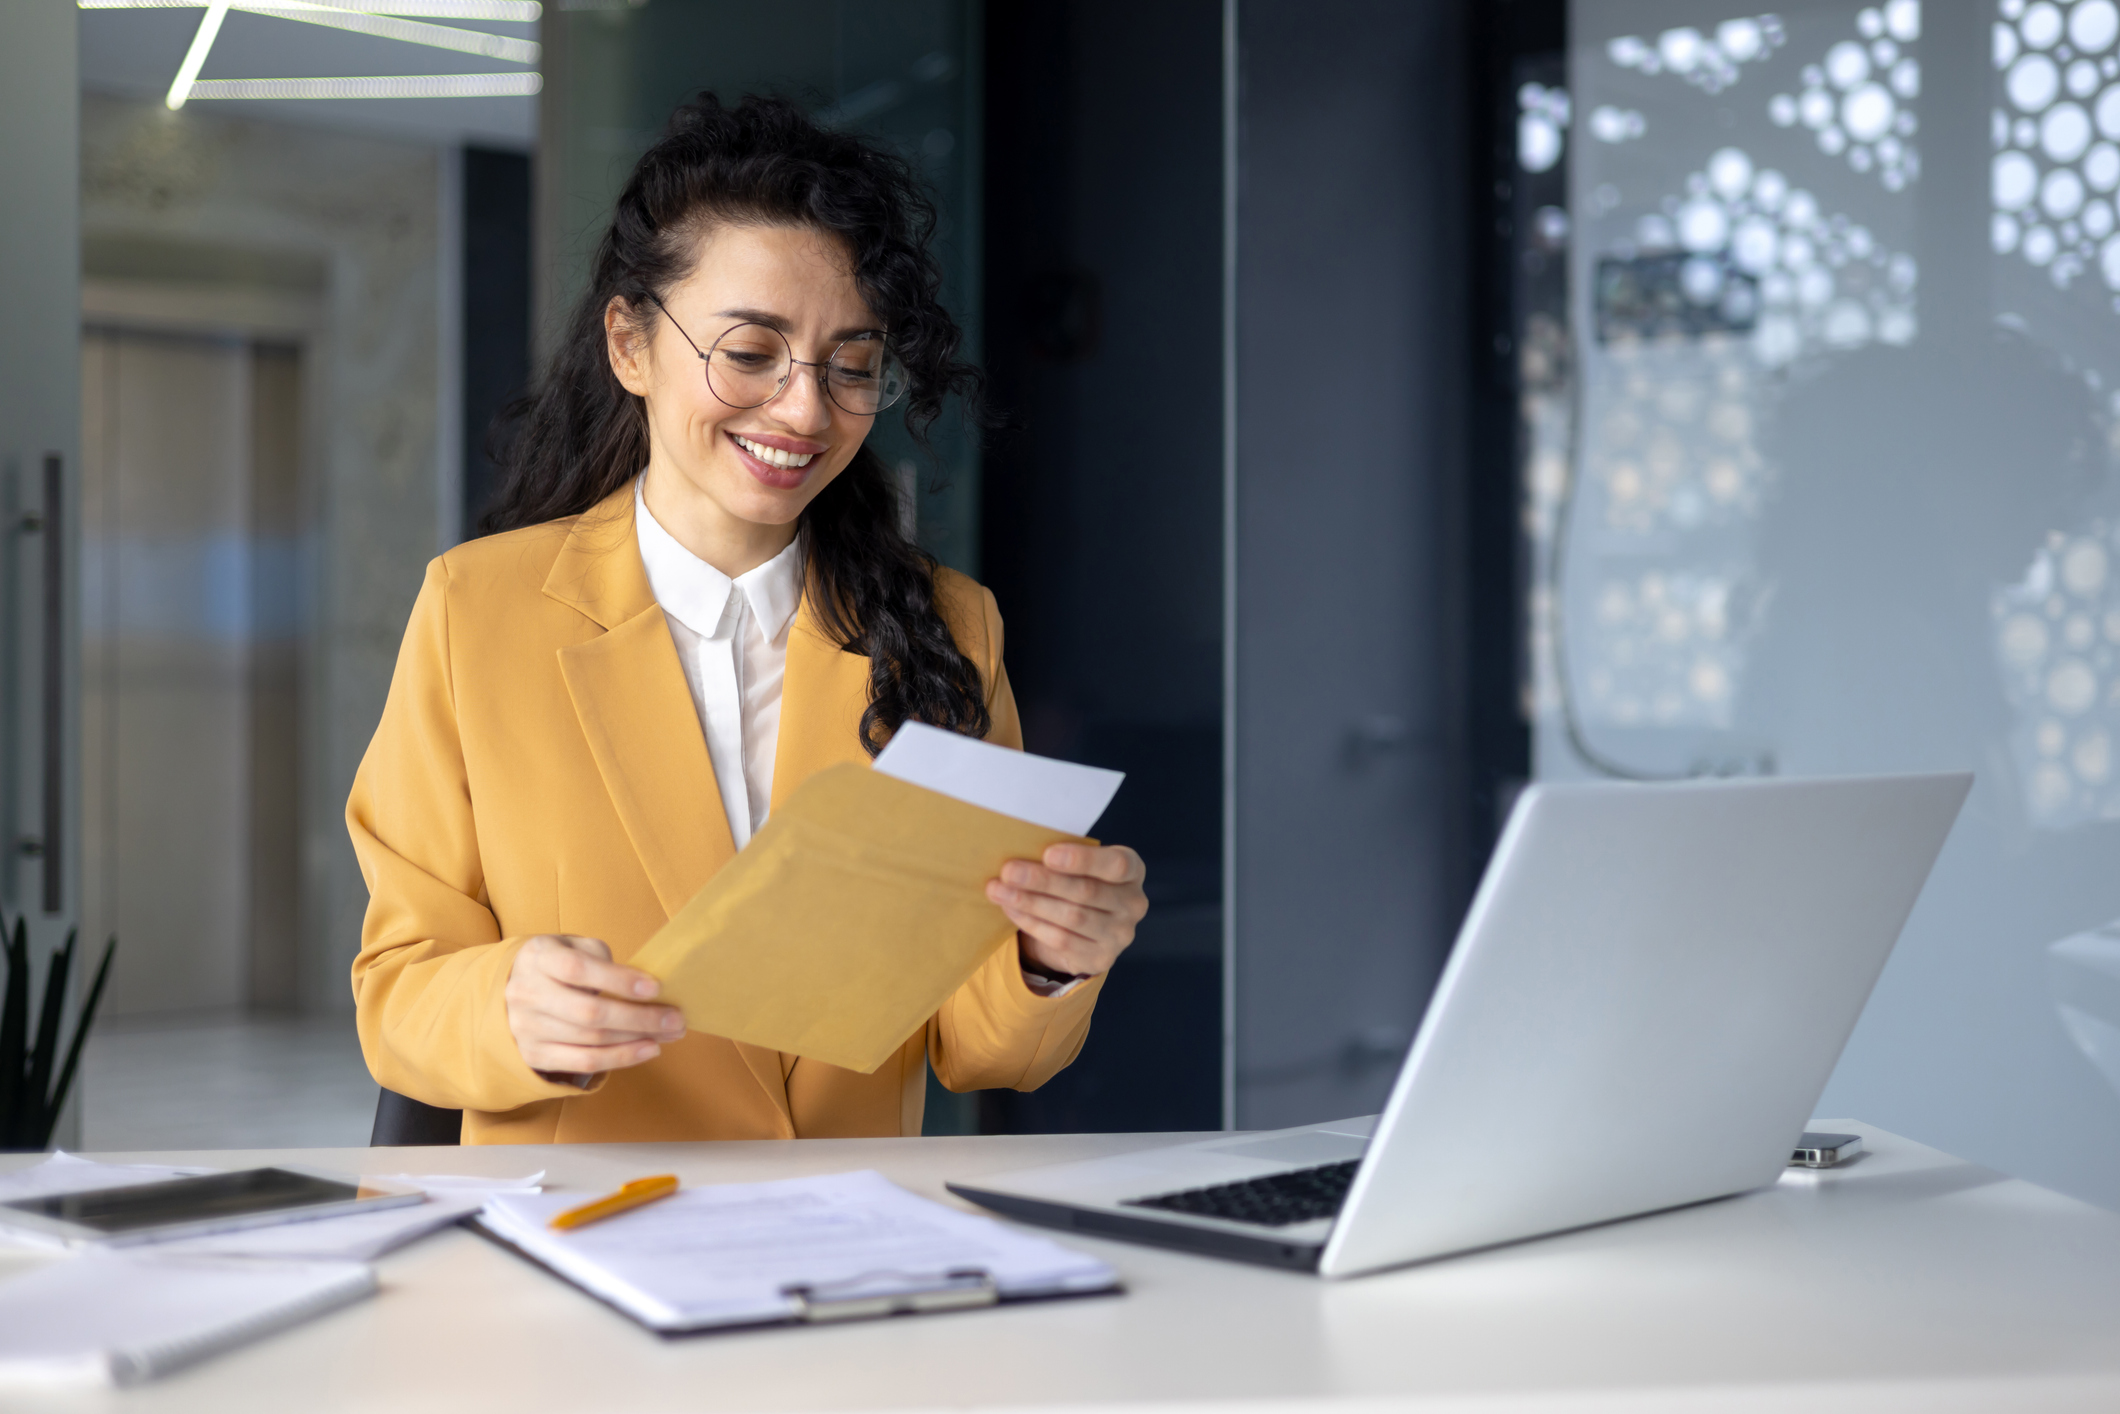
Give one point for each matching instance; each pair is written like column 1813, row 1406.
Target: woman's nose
column 803, row 404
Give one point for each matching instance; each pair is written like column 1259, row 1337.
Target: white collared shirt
column 732, row 638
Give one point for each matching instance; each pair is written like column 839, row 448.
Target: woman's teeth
column 773, row 456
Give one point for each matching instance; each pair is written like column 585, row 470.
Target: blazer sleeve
column 428, row 983
column 994, row 1032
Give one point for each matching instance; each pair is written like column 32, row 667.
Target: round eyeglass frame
column 823, row 366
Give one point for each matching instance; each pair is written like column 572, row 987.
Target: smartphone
column 188, row 1207
column 1822, row 1151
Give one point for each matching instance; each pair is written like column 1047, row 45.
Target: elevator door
column 189, row 662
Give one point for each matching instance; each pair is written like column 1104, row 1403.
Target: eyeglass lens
column 751, row 363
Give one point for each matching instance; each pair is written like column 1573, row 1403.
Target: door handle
column 54, row 647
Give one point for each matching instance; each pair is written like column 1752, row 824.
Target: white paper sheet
column 362, row 1237
column 1059, row 795
column 722, row 1255
column 70, row 1173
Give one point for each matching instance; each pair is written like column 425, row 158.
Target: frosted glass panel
column 1820, row 474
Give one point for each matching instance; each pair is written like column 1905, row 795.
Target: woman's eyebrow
column 787, row 326
column 759, row 316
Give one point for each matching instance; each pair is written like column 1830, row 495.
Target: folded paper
column 846, row 921
column 1059, row 794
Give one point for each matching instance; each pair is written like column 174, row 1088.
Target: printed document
column 726, row 1255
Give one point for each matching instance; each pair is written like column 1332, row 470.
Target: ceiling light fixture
column 463, row 41
column 363, row 21
column 521, row 12
column 408, row 86
column 195, row 57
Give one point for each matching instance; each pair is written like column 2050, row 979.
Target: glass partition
column 1820, row 453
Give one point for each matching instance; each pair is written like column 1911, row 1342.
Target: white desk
column 1907, row 1281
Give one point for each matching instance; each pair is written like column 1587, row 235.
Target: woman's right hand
column 565, row 1012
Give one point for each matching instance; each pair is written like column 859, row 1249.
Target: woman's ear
column 627, row 350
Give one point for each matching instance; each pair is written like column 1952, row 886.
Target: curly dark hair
column 579, row 436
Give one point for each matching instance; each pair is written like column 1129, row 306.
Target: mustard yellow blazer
column 540, row 768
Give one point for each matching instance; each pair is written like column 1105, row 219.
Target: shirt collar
column 697, row 595
column 774, row 589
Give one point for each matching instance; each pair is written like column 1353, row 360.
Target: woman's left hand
column 1075, row 911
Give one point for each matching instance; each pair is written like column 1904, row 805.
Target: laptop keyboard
column 1277, row 1200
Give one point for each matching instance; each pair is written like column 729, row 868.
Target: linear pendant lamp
column 521, row 12
column 195, row 57
column 463, row 41
column 377, row 18
column 391, row 86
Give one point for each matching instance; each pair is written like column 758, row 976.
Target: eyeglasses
column 750, row 365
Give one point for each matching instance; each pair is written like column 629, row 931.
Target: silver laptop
column 1648, row 994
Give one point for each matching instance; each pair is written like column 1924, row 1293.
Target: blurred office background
column 1400, row 402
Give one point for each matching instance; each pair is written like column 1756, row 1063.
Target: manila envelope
column 844, row 923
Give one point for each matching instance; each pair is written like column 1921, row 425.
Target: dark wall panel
column 496, row 306
column 1102, row 511
column 1349, row 860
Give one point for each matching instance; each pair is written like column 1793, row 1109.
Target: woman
column 700, row 597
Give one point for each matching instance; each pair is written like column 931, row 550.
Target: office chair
column 400, row 1119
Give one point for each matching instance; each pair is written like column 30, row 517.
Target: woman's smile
column 779, row 462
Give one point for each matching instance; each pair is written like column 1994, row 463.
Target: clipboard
column 1022, row 1267
column 966, row 1289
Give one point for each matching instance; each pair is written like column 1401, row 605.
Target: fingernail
column 645, row 987
column 1013, row 873
column 674, row 1027
column 649, row 1052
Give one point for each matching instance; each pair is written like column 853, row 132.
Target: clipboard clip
column 875, row 1294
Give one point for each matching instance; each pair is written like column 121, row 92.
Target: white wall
column 362, row 213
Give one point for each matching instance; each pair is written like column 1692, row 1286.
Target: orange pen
column 639, row 1191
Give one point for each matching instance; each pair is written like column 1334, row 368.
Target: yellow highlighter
column 639, row 1191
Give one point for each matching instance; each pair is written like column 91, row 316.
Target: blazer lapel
column 629, row 693
column 642, row 728
column 635, row 710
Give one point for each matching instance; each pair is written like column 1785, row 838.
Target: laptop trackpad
column 1316, row 1147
